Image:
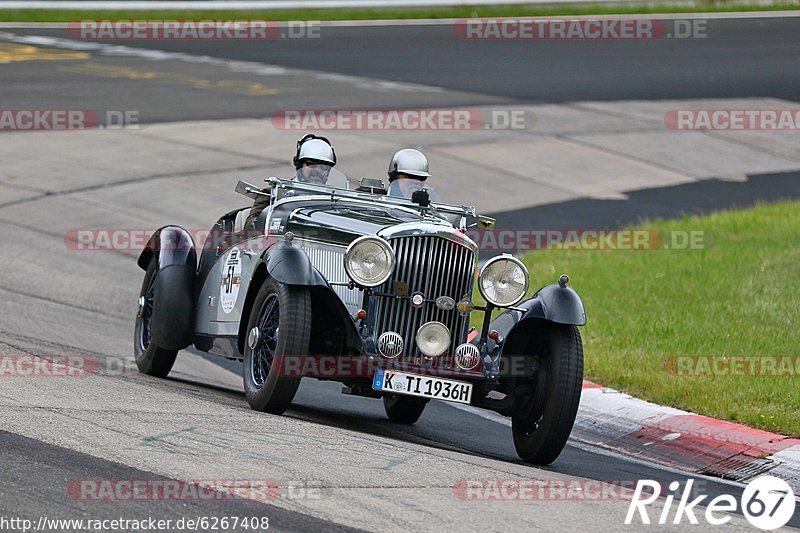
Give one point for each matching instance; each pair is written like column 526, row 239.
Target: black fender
column 290, row 265
column 331, row 323
column 172, row 245
column 517, row 327
column 561, row 305
column 333, row 329
column 175, row 286
column 553, row 303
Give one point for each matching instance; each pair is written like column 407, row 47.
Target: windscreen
column 321, row 174
column 405, row 188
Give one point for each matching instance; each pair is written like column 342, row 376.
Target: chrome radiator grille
column 436, row 267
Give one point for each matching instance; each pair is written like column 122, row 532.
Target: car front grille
column 434, row 266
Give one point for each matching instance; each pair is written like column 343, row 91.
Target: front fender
column 561, row 305
column 290, row 265
column 553, row 303
column 333, row 330
column 518, row 327
column 175, row 285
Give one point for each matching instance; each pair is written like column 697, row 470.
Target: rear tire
column 150, row 359
column 542, row 431
column 403, row 409
column 282, row 314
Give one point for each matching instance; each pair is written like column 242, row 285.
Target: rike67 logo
column 767, row 502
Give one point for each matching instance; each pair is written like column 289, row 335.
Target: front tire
column 279, row 326
column 404, row 409
column 150, row 359
column 541, row 429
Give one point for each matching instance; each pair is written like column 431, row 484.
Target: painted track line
column 250, row 67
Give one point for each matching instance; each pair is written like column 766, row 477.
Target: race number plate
column 424, row 386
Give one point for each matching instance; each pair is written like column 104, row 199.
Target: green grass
column 738, row 296
column 711, row 6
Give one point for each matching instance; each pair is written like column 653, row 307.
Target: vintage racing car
column 380, row 285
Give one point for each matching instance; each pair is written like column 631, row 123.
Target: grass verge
column 41, row 15
column 736, row 297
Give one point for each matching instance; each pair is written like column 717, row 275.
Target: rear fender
column 172, row 245
column 175, row 284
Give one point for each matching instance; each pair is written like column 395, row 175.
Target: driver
column 313, row 161
column 410, row 167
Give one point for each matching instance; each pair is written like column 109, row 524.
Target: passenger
column 411, row 168
column 313, row 161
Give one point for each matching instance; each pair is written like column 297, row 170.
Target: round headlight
column 503, row 280
column 369, row 261
column 433, row 339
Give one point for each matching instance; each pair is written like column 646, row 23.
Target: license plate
column 425, row 386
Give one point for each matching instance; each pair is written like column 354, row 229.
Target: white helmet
column 411, row 162
column 316, row 148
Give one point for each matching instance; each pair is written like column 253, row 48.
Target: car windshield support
column 283, row 187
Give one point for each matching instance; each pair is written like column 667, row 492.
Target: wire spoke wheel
column 146, row 316
column 279, row 327
column 264, row 351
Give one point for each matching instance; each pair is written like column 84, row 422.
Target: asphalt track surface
column 752, row 57
column 736, row 58
column 740, row 58
column 34, row 474
column 443, row 426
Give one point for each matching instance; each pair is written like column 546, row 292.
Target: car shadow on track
column 441, row 426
